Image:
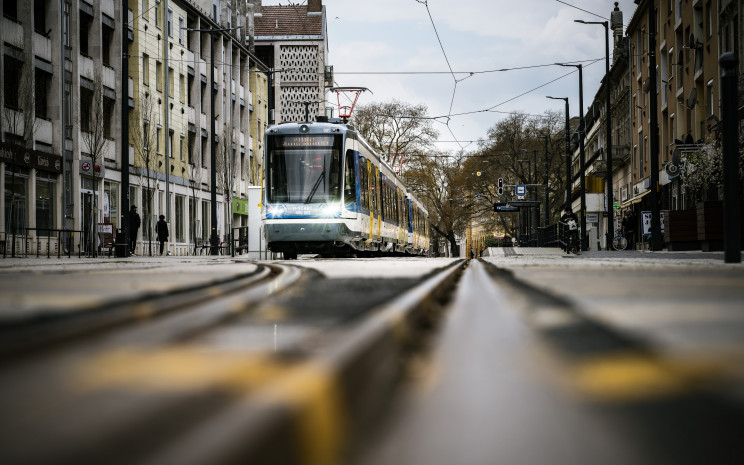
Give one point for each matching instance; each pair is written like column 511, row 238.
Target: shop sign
column 31, row 158
column 88, row 168
column 240, row 207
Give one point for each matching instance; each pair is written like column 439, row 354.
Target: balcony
column 202, row 67
column 203, row 121
column 86, row 67
column 43, row 47
column 241, row 139
column 107, row 7
column 192, row 115
column 12, row 32
column 109, row 150
column 44, row 131
column 109, row 77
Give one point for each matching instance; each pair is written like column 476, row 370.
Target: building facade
column 61, row 138
column 687, row 85
column 293, row 41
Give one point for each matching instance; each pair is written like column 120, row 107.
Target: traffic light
column 501, row 186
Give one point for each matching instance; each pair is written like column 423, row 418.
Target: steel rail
column 222, row 297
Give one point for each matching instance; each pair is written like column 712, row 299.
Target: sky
column 400, row 49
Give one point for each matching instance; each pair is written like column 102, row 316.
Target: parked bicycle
column 619, row 242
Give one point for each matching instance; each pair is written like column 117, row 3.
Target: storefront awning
column 634, row 200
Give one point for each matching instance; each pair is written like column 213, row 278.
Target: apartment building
column 687, row 85
column 55, row 176
column 293, row 41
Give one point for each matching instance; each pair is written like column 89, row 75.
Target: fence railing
column 41, row 240
column 553, row 235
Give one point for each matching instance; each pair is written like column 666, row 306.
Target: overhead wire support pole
column 124, row 101
column 608, row 139
column 582, row 161
column 568, row 150
column 653, row 129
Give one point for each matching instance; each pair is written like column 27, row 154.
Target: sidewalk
column 32, row 287
column 686, row 306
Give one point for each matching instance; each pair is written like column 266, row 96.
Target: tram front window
column 304, row 169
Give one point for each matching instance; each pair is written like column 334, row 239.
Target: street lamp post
column 568, row 151
column 582, row 168
column 608, row 123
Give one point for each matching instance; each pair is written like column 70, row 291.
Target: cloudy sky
column 370, row 39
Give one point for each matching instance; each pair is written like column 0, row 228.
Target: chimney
column 257, row 7
column 251, row 25
column 616, row 23
column 314, row 6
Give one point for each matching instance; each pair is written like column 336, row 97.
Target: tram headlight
column 332, row 210
column 275, row 211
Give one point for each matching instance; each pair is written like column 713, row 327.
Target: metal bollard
column 731, row 184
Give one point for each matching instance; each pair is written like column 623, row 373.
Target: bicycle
column 619, row 242
column 572, row 241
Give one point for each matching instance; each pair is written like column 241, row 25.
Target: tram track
column 164, row 385
column 216, row 298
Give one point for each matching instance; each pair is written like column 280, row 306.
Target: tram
column 328, row 193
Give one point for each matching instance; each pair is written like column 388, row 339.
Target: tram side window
column 335, row 177
column 349, row 178
column 363, row 179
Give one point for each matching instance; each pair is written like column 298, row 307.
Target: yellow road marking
column 635, row 376
column 310, row 389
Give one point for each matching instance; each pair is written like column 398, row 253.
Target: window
column 180, row 30
column 15, row 206
column 86, row 108
column 145, row 7
column 85, row 25
column 709, row 12
column 157, row 139
column 171, row 83
column 43, row 81
column 145, row 69
column 180, row 216
column 180, row 147
column 145, row 129
column 711, row 102
column 182, row 88
column 107, row 35
column 10, row 9
column 40, row 25
column 169, row 25
column 66, row 25
column 156, row 13
column 205, row 220
column 170, row 144
column 111, row 194
column 108, row 118
column 159, row 76
column 45, row 204
column 12, row 71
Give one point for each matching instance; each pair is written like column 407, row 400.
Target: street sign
column 520, row 189
column 503, row 207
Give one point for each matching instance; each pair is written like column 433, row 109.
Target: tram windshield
column 304, row 169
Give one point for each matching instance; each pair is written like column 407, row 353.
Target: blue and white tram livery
column 328, row 193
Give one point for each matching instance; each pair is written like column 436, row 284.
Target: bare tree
column 226, row 171
column 144, row 137
column 195, row 180
column 92, row 125
column 395, row 128
column 18, row 124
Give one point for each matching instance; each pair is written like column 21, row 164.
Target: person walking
column 161, row 230
column 134, row 225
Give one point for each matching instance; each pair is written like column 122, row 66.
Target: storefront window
column 192, row 219
column 45, row 205
column 179, row 217
column 111, row 204
column 16, row 205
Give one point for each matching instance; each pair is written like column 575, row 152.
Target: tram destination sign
column 305, row 141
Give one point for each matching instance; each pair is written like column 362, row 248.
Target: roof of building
column 288, row 21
